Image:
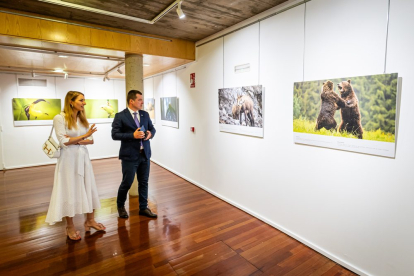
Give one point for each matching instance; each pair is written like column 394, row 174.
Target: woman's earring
column 71, row 105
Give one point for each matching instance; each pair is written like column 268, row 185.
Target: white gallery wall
column 356, row 209
column 22, row 146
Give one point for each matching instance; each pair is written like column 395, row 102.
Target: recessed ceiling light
column 58, row 70
column 146, row 64
column 62, row 56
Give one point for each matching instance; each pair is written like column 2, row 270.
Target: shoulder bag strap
column 51, row 132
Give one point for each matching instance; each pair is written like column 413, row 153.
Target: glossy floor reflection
column 195, row 233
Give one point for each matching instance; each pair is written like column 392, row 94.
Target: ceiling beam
column 113, row 14
column 60, row 52
column 61, row 32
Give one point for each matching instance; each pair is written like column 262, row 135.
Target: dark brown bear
column 350, row 115
column 330, row 103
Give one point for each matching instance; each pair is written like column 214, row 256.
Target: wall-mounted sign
column 192, row 80
column 242, row 68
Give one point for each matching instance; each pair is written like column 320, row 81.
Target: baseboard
column 104, row 157
column 51, row 163
column 29, row 165
column 271, row 223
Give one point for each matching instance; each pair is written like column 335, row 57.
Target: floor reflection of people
column 171, row 232
column 94, row 255
column 132, row 242
column 123, row 237
column 71, row 259
column 76, row 260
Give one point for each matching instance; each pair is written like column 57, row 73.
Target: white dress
column 74, row 188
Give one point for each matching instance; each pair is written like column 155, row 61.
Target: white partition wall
column 345, row 38
column 354, row 208
column 241, row 49
column 22, row 145
column 148, row 88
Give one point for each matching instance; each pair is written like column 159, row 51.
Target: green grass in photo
column 306, row 126
column 28, row 109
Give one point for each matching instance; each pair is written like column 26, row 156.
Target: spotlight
column 33, row 74
column 119, row 70
column 66, row 76
column 180, row 13
column 107, row 78
column 104, row 79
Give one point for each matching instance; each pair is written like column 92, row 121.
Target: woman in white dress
column 74, row 189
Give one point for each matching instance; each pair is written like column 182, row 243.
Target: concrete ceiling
column 203, row 17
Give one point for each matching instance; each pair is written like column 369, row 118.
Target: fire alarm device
column 192, row 80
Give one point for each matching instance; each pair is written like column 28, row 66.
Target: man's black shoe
column 122, row 212
column 147, row 212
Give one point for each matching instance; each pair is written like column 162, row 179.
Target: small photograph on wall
column 241, row 110
column 35, row 111
column 101, row 110
column 149, row 106
column 169, row 111
column 351, row 113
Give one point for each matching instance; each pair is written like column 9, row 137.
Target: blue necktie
column 138, row 125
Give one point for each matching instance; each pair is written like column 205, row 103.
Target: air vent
column 32, row 82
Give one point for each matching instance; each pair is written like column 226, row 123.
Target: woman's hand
column 91, row 131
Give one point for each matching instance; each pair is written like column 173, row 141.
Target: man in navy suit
column 134, row 128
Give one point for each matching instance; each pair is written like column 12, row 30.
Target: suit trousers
column 141, row 168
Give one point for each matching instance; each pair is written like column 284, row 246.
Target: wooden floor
column 195, row 233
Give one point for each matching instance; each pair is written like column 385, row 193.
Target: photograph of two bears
column 361, row 107
column 241, row 106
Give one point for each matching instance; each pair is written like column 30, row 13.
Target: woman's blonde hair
column 72, row 96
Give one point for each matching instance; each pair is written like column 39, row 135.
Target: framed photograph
column 351, row 113
column 35, row 111
column 101, row 110
column 169, row 111
column 149, row 106
column 241, row 110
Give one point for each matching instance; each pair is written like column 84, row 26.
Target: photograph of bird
column 34, row 111
column 108, row 108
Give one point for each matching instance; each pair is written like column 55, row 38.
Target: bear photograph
column 362, row 108
column 240, row 110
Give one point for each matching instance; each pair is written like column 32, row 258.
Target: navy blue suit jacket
column 123, row 128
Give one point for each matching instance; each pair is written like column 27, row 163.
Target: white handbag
column 50, row 147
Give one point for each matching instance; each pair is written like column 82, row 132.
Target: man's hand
column 139, row 134
column 149, row 135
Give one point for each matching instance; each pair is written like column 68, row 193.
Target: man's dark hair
column 132, row 95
